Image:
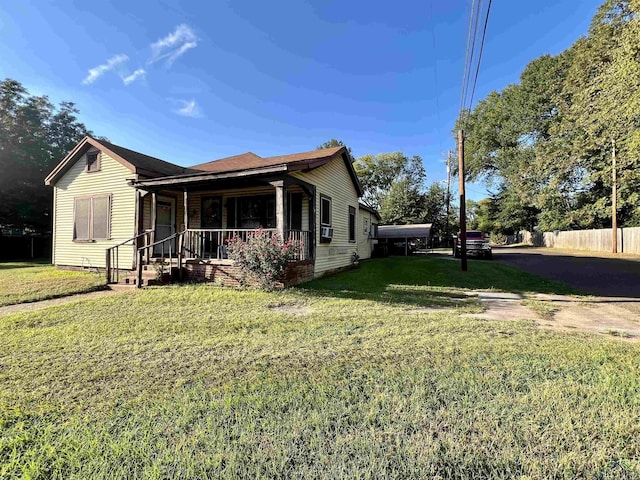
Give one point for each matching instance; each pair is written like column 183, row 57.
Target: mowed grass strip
column 27, row 282
column 196, row 382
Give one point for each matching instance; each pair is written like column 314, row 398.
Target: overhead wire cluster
column 473, row 55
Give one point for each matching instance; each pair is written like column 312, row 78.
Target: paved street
column 612, row 277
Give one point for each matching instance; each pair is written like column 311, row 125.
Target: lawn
column 29, row 282
column 200, row 382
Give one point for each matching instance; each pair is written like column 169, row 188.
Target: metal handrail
column 162, row 242
column 112, row 254
column 171, row 237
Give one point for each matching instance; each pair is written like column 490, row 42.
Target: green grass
column 546, row 310
column 199, row 382
column 22, row 282
column 421, row 279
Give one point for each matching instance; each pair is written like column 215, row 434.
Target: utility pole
column 463, row 205
column 614, row 199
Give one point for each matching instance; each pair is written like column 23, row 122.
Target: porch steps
column 149, row 277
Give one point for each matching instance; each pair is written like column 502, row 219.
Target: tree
column 545, row 143
column 333, row 143
column 378, row 173
column 403, row 204
column 34, row 136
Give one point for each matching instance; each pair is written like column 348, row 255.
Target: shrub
column 263, row 256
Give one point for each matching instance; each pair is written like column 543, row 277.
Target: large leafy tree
column 378, row 174
column 34, row 136
column 545, row 143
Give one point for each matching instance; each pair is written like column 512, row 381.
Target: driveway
column 610, row 277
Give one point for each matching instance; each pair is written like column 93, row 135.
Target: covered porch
column 186, row 220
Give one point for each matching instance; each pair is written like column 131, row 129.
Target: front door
column 165, row 224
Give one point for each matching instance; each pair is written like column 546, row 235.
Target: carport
column 397, row 233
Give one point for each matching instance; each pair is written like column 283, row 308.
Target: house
column 120, row 211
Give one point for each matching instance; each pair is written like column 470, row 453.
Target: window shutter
column 101, row 213
column 82, row 213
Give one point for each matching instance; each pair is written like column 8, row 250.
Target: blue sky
column 192, row 81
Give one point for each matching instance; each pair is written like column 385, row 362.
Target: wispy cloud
column 173, row 45
column 189, row 109
column 134, row 76
column 97, row 72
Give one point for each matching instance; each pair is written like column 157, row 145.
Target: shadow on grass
column 428, row 281
column 14, row 265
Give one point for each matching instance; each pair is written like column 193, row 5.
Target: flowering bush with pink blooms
column 263, row 256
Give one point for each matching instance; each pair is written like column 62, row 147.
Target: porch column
column 153, row 216
column 281, row 207
column 185, row 200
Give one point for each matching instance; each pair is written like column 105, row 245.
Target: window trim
column 352, row 226
column 327, row 198
column 98, row 163
column 91, row 198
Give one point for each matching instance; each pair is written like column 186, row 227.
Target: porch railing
column 211, row 244
column 112, row 260
column 166, row 250
column 204, row 244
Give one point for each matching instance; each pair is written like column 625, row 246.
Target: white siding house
column 105, row 195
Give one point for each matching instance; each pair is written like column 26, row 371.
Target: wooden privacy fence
column 595, row 240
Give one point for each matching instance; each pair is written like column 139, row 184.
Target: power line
column 466, row 58
column 484, row 34
column 473, row 46
column 471, row 62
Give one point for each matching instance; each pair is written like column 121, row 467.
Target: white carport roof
column 415, row 230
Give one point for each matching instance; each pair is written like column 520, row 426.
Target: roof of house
column 135, row 161
column 144, row 162
column 250, row 160
column 249, row 164
column 404, row 231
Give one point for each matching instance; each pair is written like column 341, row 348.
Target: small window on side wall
column 93, row 161
column 352, row 224
column 325, row 211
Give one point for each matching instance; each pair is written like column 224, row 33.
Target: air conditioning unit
column 326, row 232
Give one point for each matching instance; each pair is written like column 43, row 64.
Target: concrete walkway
column 609, row 316
column 31, row 306
column 503, row 306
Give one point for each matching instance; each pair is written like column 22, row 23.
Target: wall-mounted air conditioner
column 326, row 232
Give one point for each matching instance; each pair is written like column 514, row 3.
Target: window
column 352, row 224
column 93, row 161
column 211, row 209
column 365, row 225
column 251, row 212
column 325, row 210
column 92, row 218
